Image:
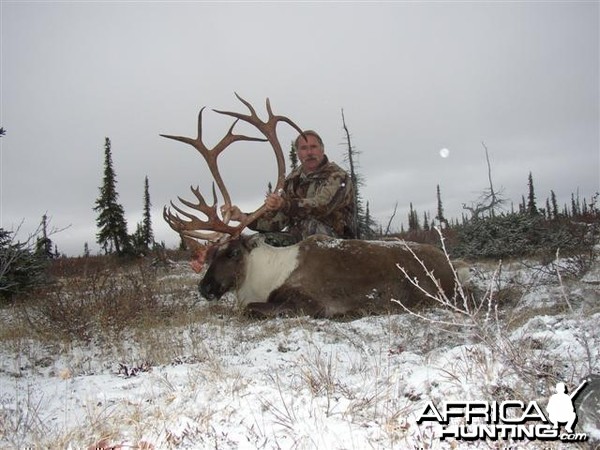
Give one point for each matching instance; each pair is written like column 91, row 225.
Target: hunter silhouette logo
column 510, row 419
column 560, row 406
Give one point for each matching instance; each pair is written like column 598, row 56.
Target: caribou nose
column 207, row 292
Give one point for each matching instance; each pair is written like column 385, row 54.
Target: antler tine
column 279, row 118
column 197, row 142
column 251, row 118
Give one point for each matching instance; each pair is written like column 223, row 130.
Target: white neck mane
column 267, row 269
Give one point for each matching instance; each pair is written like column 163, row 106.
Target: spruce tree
column 531, row 206
column 575, row 205
column 44, row 245
column 413, row 219
column 147, row 234
column 112, row 226
column 370, row 223
column 293, row 156
column 143, row 238
column 554, row 204
column 21, row 268
column 440, row 209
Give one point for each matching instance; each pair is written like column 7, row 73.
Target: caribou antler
column 195, row 228
column 190, row 228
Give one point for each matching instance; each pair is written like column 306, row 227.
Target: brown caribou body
column 326, row 277
column 319, row 276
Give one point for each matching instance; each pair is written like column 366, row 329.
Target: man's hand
column 236, row 213
column 274, row 202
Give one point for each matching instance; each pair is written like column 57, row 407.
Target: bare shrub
column 466, row 312
column 97, row 302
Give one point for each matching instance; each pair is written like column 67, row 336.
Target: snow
column 304, row 383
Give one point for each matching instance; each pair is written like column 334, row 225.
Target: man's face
column 310, row 153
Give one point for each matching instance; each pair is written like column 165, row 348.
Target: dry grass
column 96, row 299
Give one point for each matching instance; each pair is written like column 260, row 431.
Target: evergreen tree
column 293, row 156
column 21, row 268
column 143, row 238
column 440, row 209
column 43, row 246
column 575, row 206
column 371, row 225
column 531, row 206
column 147, row 234
column 554, row 204
column 112, row 234
column 413, row 219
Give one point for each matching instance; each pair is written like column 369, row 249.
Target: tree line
column 578, row 209
column 486, row 229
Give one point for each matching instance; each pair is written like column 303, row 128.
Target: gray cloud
column 412, row 78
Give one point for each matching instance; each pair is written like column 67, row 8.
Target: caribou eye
column 233, row 253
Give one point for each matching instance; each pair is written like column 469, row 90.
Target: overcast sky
column 412, row 77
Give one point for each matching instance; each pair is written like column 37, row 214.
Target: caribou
column 319, row 276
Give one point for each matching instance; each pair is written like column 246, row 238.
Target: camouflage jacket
column 321, row 202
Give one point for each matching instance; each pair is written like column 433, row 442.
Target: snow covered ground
column 232, row 383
